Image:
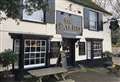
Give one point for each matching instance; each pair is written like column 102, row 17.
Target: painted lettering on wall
column 68, row 23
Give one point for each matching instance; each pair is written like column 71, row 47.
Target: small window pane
column 43, row 43
column 32, row 61
column 26, row 56
column 32, row 55
column 42, row 48
column 42, row 60
column 42, row 54
column 37, row 61
column 27, row 49
column 27, row 43
column 38, row 43
column 26, row 62
column 32, row 49
column 82, row 48
column 37, row 55
column 38, row 49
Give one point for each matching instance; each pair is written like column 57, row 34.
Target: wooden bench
column 40, row 73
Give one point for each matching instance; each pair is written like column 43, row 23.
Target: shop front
column 69, row 26
column 32, row 51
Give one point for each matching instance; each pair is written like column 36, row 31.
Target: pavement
column 95, row 75
column 83, row 74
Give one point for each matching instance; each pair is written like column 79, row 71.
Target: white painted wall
column 50, row 29
column 63, row 5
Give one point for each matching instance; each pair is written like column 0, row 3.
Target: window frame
column 16, row 49
column 51, row 45
column 35, row 52
column 81, row 48
column 95, row 27
column 31, row 20
column 97, row 48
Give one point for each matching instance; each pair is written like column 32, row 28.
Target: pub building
column 73, row 25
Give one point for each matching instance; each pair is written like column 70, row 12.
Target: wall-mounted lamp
column 79, row 12
column 62, row 13
column 70, row 7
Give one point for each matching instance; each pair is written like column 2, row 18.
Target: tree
column 112, row 5
column 11, row 8
column 7, row 58
column 114, row 8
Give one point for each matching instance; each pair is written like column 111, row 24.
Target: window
column 36, row 16
column 97, row 48
column 17, row 50
column 89, row 49
column 82, row 48
column 34, row 53
column 17, row 46
column 54, row 49
column 93, row 20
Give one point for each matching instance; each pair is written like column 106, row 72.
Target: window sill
column 33, row 21
column 97, row 57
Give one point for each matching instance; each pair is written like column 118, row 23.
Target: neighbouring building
column 76, row 26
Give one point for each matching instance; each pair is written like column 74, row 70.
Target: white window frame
column 30, row 52
column 98, row 45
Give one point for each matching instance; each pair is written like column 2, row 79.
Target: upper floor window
column 93, row 20
column 36, row 16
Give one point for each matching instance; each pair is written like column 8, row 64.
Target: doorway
column 69, row 48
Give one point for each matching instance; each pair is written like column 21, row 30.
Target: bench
column 40, row 73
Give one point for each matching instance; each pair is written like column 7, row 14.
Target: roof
column 90, row 4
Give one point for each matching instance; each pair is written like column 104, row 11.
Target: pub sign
column 68, row 24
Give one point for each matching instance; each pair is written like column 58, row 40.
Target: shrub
column 7, row 57
column 108, row 58
column 107, row 54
